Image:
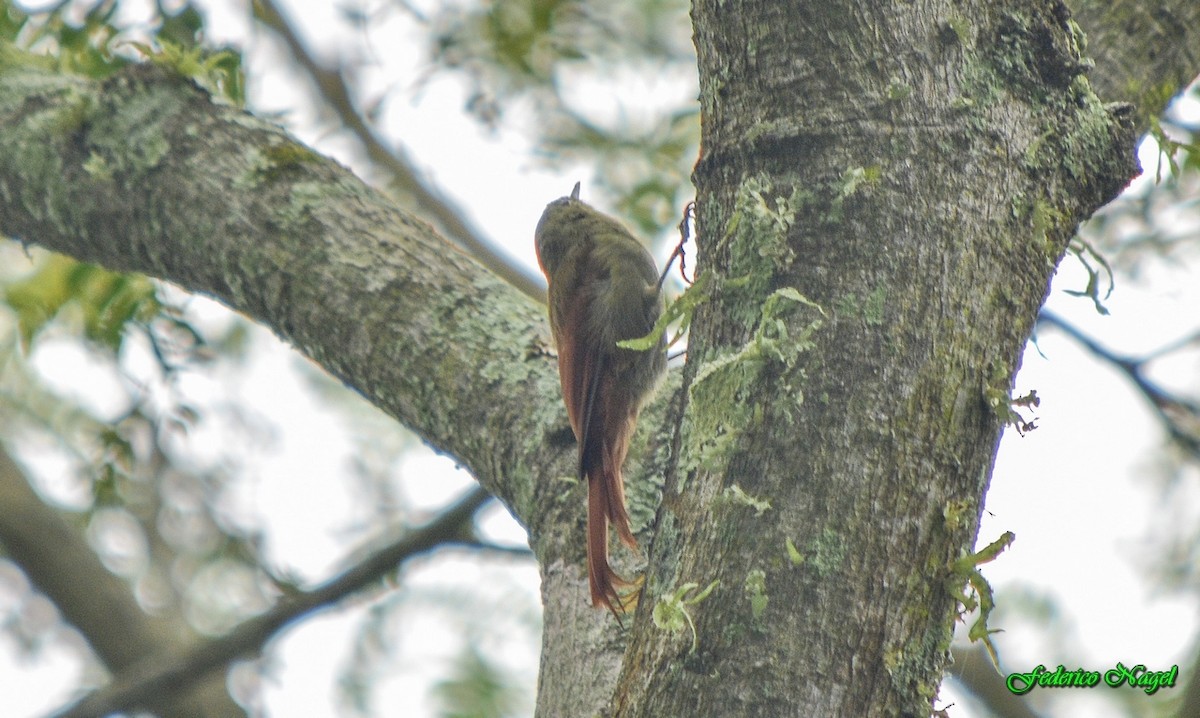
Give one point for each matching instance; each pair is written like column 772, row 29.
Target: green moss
column 914, row 667
column 1089, row 138
column 1020, row 206
column 98, row 168
column 794, row 556
column 1035, row 152
column 848, row 305
column 73, row 115
column 826, row 552
column 1075, row 127
column 736, row 495
column 898, row 90
column 914, row 662
column 277, row 160
column 893, row 660
column 719, row 410
column 1046, row 221
column 961, row 103
column 36, row 106
column 777, row 128
column 874, row 307
column 644, row 480
column 755, row 590
column 852, row 181
column 1078, row 37
column 958, row 515
column 304, row 197
column 290, row 154
column 959, row 27
column 133, row 140
column 757, row 236
column 979, row 90
column 870, row 309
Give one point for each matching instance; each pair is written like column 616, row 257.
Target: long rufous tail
column 606, row 502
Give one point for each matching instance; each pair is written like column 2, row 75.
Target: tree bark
column 917, row 172
column 913, row 171
column 1145, row 52
column 144, row 172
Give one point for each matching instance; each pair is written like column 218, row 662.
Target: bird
column 603, row 287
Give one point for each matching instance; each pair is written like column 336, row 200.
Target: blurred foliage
column 1155, row 219
column 1174, row 539
column 151, row 511
column 570, row 66
column 82, row 41
column 106, row 301
column 476, row 688
column 1156, row 223
column 157, row 512
column 483, row 630
column 1159, row 218
column 511, row 47
column 87, row 38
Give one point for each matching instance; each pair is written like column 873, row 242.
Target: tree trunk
column 884, row 192
column 916, row 172
column 1145, row 52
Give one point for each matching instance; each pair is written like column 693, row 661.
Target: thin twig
column 432, row 203
column 155, row 675
column 689, row 213
column 1179, row 416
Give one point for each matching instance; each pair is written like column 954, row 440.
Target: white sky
column 1079, row 492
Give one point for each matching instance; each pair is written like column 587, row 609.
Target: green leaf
column 755, row 589
column 105, row 302
column 679, row 310
column 476, row 688
column 981, row 596
column 737, row 495
column 218, row 72
column 987, row 554
column 670, row 612
column 793, row 553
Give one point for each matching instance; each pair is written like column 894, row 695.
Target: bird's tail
column 606, row 502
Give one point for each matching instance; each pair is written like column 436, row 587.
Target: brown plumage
column 603, row 288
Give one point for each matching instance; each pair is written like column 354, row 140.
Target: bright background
column 1092, row 494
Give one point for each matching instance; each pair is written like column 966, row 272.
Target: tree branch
column 159, row 675
column 144, row 172
column 1179, row 416
column 56, row 559
column 973, row 669
column 1145, row 52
